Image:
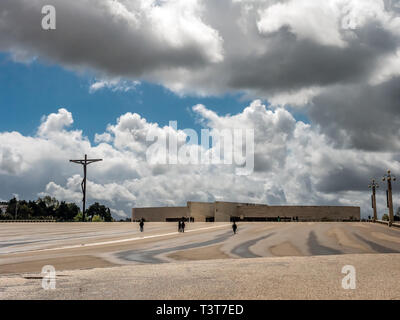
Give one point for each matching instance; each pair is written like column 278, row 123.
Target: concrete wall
column 305, row 213
column 201, row 210
column 159, row 214
column 223, row 211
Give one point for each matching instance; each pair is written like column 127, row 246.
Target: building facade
column 3, row 207
column 227, row 211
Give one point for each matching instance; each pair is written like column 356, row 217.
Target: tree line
column 396, row 217
column 49, row 208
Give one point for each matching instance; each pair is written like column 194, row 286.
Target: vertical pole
column 389, row 179
column 16, row 205
column 374, row 202
column 391, row 218
column 84, row 189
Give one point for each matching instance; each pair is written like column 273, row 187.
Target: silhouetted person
column 183, row 225
column 141, row 224
column 234, row 227
column 180, row 226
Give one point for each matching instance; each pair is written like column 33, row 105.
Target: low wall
column 223, row 212
column 394, row 224
column 27, row 221
column 305, row 213
column 160, row 214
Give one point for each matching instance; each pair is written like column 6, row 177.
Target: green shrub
column 78, row 217
column 97, row 218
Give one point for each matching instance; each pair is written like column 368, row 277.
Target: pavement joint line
column 113, row 241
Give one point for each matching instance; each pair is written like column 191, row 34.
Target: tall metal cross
column 85, row 162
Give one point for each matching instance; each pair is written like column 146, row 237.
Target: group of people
column 182, row 225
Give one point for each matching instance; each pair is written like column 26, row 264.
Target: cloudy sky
column 317, row 81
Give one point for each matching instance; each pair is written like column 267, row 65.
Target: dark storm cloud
column 200, row 46
column 360, row 116
column 295, row 64
column 112, row 39
column 347, row 178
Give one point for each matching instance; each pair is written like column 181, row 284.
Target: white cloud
column 104, row 137
column 113, row 85
column 55, row 123
column 387, row 68
column 277, row 50
column 338, row 59
column 116, row 38
column 325, row 22
column 296, row 98
column 294, row 164
column 317, row 21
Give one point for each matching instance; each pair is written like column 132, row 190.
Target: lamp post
column 374, row 186
column 389, row 177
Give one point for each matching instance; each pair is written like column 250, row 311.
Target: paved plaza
column 263, row 261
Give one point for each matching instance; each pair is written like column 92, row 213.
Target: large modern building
column 228, row 211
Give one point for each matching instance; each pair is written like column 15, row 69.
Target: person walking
column 141, row 224
column 183, row 225
column 234, row 227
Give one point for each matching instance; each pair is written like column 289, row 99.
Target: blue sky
column 30, row 90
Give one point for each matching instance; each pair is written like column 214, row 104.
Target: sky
column 317, row 82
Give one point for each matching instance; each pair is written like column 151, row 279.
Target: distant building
column 228, row 211
column 3, row 207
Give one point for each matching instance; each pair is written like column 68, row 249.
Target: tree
column 52, row 205
column 66, row 211
column 6, row 216
column 24, row 212
column 51, row 202
column 73, row 210
column 11, row 207
column 36, row 212
column 78, row 217
column 40, row 209
column 51, row 208
column 100, row 210
column 397, row 215
column 97, row 218
column 107, row 216
column 23, row 209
